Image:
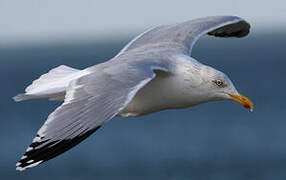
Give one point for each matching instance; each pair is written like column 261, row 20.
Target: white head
column 211, row 85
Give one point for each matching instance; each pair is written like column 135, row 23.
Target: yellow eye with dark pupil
column 219, row 83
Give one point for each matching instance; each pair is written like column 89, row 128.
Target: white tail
column 51, row 85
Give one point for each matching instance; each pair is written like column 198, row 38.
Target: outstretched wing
column 187, row 33
column 90, row 101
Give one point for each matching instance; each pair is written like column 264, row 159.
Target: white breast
column 166, row 91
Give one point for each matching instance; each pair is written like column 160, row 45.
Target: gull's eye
column 219, row 83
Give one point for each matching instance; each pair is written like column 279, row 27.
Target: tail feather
column 22, row 97
column 53, row 97
column 50, row 78
column 51, row 85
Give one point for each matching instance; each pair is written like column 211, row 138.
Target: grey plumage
column 184, row 35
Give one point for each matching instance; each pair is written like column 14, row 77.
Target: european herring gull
column 154, row 72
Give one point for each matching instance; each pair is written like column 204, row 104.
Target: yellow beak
column 244, row 101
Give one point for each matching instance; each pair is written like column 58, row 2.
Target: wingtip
column 237, row 29
column 19, row 97
column 31, row 164
column 20, row 168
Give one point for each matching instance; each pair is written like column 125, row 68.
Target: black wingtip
column 42, row 151
column 239, row 29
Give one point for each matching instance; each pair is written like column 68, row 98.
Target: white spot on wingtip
column 29, row 149
column 30, row 166
column 20, row 169
column 18, row 164
column 34, row 164
column 37, row 139
column 23, row 157
column 30, row 161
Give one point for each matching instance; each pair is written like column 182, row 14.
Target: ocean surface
column 212, row 141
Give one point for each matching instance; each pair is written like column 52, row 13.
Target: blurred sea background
column 217, row 140
column 212, row 141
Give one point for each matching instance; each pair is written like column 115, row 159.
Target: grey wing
column 90, row 101
column 187, row 33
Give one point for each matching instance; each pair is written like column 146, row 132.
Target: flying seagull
column 153, row 72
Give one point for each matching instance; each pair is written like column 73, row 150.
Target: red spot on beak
column 246, row 106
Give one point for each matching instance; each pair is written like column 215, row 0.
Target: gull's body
column 153, row 72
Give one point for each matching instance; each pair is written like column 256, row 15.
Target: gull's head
column 216, row 85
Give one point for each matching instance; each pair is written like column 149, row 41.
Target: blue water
column 213, row 141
